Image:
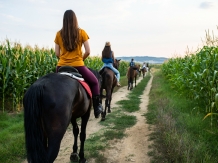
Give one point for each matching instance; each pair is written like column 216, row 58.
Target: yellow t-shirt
column 74, row 58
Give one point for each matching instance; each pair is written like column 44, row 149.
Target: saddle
column 74, row 73
column 102, row 70
column 71, row 70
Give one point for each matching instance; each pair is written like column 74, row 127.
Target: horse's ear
column 119, row 60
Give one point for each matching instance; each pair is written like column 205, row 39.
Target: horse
column 109, row 81
column 140, row 72
column 132, row 74
column 143, row 70
column 51, row 103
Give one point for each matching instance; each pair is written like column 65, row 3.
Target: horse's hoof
column 74, row 157
column 103, row 119
column 83, row 161
column 109, row 111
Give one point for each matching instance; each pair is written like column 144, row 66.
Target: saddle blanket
column 86, row 87
column 81, row 81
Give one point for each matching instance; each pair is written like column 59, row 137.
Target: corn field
column 196, row 76
column 20, row 67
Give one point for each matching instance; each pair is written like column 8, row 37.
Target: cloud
column 206, row 5
column 13, row 18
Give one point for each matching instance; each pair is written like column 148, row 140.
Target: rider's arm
column 57, row 50
column 87, row 49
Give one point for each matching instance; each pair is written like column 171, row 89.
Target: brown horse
column 143, row 70
column 132, row 74
column 109, row 81
column 50, row 105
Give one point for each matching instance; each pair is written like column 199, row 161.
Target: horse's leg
column 109, row 100
column 131, row 83
column 135, row 80
column 74, row 156
column 105, row 107
column 101, row 95
column 106, row 102
column 84, row 122
column 103, row 114
column 109, row 105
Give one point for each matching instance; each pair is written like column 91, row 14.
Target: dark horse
column 50, row 105
column 109, row 81
column 132, row 74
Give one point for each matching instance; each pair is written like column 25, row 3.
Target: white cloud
column 206, row 5
column 13, row 18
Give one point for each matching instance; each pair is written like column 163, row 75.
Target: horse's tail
column 34, row 137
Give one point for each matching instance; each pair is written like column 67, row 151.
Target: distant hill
column 141, row 59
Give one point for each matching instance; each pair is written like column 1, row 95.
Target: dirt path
column 133, row 148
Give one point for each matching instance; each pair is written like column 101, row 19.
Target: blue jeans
column 110, row 65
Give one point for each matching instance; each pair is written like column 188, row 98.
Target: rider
column 147, row 67
column 108, row 60
column 132, row 63
column 144, row 65
column 68, row 43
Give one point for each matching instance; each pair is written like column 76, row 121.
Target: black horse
column 50, row 104
column 109, row 81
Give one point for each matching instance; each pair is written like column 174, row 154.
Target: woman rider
column 68, row 44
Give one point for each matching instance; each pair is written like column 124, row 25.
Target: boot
column 98, row 109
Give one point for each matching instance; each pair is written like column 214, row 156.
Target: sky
column 159, row 28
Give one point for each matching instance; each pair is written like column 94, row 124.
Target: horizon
column 147, row 59
column 140, row 56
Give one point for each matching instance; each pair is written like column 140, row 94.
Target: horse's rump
column 108, row 77
column 131, row 72
column 132, row 75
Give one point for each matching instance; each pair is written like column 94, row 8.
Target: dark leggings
column 89, row 77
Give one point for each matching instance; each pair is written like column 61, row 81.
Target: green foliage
column 196, row 76
column 180, row 134
column 20, row 67
column 123, row 67
column 12, row 146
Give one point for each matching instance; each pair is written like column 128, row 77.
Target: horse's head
column 116, row 64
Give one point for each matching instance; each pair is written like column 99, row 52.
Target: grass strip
column 180, row 133
column 132, row 104
column 12, row 145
